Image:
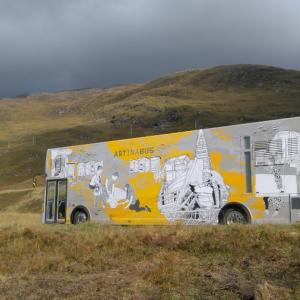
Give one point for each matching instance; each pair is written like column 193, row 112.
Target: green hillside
column 180, row 101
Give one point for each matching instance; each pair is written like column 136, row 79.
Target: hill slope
column 180, row 101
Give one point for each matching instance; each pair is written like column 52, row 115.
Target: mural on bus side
column 59, row 162
column 190, row 190
column 277, row 163
column 113, row 195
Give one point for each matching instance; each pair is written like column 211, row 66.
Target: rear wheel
column 80, row 217
column 234, row 216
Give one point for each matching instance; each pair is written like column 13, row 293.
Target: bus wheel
column 234, row 216
column 80, row 217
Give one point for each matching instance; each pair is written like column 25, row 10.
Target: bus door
column 56, row 201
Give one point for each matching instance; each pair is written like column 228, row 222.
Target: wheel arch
column 237, row 205
column 80, row 208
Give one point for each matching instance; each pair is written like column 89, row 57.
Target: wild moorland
column 93, row 261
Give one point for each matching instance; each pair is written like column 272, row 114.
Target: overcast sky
column 52, row 45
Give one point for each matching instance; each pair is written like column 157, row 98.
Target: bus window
column 50, row 206
column 247, row 155
column 248, row 172
column 247, row 144
column 61, row 201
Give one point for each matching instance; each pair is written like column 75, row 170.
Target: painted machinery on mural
column 190, row 190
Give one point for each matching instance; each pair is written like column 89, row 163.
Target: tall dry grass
column 95, row 261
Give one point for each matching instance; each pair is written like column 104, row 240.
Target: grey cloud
column 66, row 44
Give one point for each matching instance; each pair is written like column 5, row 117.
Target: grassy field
column 93, row 261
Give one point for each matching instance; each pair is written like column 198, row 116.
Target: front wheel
column 80, row 217
column 234, row 216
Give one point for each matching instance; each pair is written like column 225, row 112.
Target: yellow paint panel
column 259, row 206
column 146, row 190
column 48, row 159
column 236, row 180
column 148, row 146
column 144, row 185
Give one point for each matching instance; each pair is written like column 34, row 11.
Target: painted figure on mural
column 132, row 202
column 117, row 195
column 97, row 187
column 114, row 192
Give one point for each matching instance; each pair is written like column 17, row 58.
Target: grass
column 176, row 262
column 21, row 200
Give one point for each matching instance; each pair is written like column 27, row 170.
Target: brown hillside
column 202, row 98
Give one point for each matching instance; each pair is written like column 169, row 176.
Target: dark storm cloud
column 67, row 44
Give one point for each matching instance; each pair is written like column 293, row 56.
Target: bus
column 247, row 173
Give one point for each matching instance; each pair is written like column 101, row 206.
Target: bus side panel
column 184, row 177
column 274, row 148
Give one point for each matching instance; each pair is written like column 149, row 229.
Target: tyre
column 80, row 217
column 234, row 216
